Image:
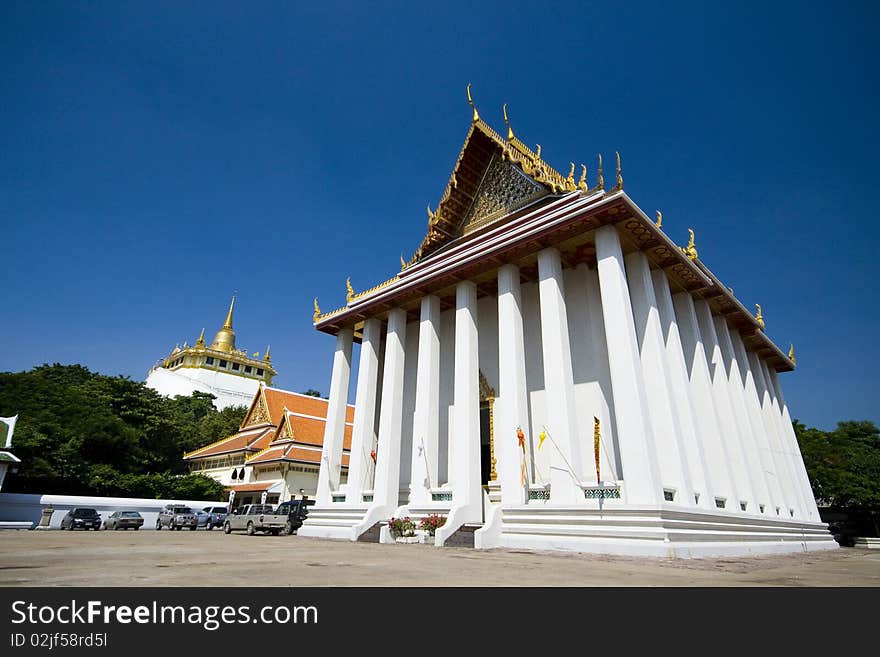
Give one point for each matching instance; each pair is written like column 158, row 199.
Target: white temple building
column 551, row 371
column 220, row 369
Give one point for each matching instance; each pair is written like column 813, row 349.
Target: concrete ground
column 202, row 558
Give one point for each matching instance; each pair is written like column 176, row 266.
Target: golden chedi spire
column 267, row 358
column 225, row 338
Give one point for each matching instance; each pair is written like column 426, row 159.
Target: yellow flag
column 541, row 438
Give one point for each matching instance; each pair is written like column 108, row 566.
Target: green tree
column 85, row 433
column 311, row 392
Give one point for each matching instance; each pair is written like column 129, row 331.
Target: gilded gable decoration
column 503, row 190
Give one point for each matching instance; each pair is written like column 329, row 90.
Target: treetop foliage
column 83, row 433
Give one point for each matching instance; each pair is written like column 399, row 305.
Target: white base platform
column 868, row 542
column 657, row 532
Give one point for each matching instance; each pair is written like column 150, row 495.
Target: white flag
column 10, row 422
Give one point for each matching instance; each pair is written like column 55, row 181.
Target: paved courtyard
column 150, row 558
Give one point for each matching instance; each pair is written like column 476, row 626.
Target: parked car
column 177, row 517
column 124, row 520
column 296, row 511
column 216, row 516
column 81, row 518
column 254, row 518
column 201, row 518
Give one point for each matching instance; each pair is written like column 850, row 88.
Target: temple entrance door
column 487, row 430
column 485, row 449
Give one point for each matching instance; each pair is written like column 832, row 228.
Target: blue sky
column 155, row 157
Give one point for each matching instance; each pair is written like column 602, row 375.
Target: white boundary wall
column 20, row 507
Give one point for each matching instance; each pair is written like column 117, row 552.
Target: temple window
column 247, row 369
column 235, row 366
column 259, row 372
column 720, row 502
column 209, row 360
column 223, row 363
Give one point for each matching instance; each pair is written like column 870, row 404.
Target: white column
column 679, row 387
column 465, row 470
column 426, row 417
column 736, row 391
column 800, row 502
column 387, row 484
column 730, row 429
column 641, row 473
column 762, row 439
column 512, row 394
column 812, row 511
column 772, row 431
column 364, row 411
column 562, row 429
column 334, row 428
column 671, row 456
column 721, row 479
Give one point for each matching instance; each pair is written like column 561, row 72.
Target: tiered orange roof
column 279, row 416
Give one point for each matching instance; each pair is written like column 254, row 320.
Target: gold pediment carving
column 503, row 189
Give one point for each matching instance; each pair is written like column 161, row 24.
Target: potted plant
column 431, row 522
column 403, row 529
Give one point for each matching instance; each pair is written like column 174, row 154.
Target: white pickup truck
column 253, row 518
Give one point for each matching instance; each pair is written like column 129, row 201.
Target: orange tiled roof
column 237, row 443
column 269, row 455
column 277, row 400
column 251, row 488
column 311, row 431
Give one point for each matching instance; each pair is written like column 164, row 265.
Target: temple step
column 463, row 536
column 371, row 535
column 332, row 522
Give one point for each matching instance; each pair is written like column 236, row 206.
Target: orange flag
column 522, row 443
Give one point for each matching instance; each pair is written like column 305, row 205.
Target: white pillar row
column 426, row 417
column 748, row 432
column 785, row 445
column 671, row 455
column 465, row 470
column 334, row 428
column 812, row 511
column 789, row 493
column 730, row 429
column 364, row 411
column 512, row 403
column 720, row 477
column 561, row 427
column 387, row 484
column 635, row 437
column 679, row 387
column 761, row 432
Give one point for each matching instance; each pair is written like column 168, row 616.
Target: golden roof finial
column 430, row 214
column 349, row 290
column 690, row 250
column 659, row 219
column 600, row 183
column 758, row 316
column 582, row 183
column 317, row 311
column 267, row 358
column 618, row 185
column 510, row 135
column 538, row 151
column 402, row 262
column 569, row 180
column 471, row 103
column 791, row 353
column 201, row 341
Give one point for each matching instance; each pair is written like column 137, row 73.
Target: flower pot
column 406, row 539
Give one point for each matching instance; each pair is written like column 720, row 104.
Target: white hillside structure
column 537, row 313
column 220, row 369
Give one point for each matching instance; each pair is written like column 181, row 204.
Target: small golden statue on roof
column 471, row 103
column 569, row 180
column 317, row 311
column 659, row 219
column 618, row 185
column 690, row 250
column 582, row 183
column 791, row 353
column 758, row 316
column 349, row 290
column 600, row 183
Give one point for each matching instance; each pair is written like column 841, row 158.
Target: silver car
column 176, row 517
